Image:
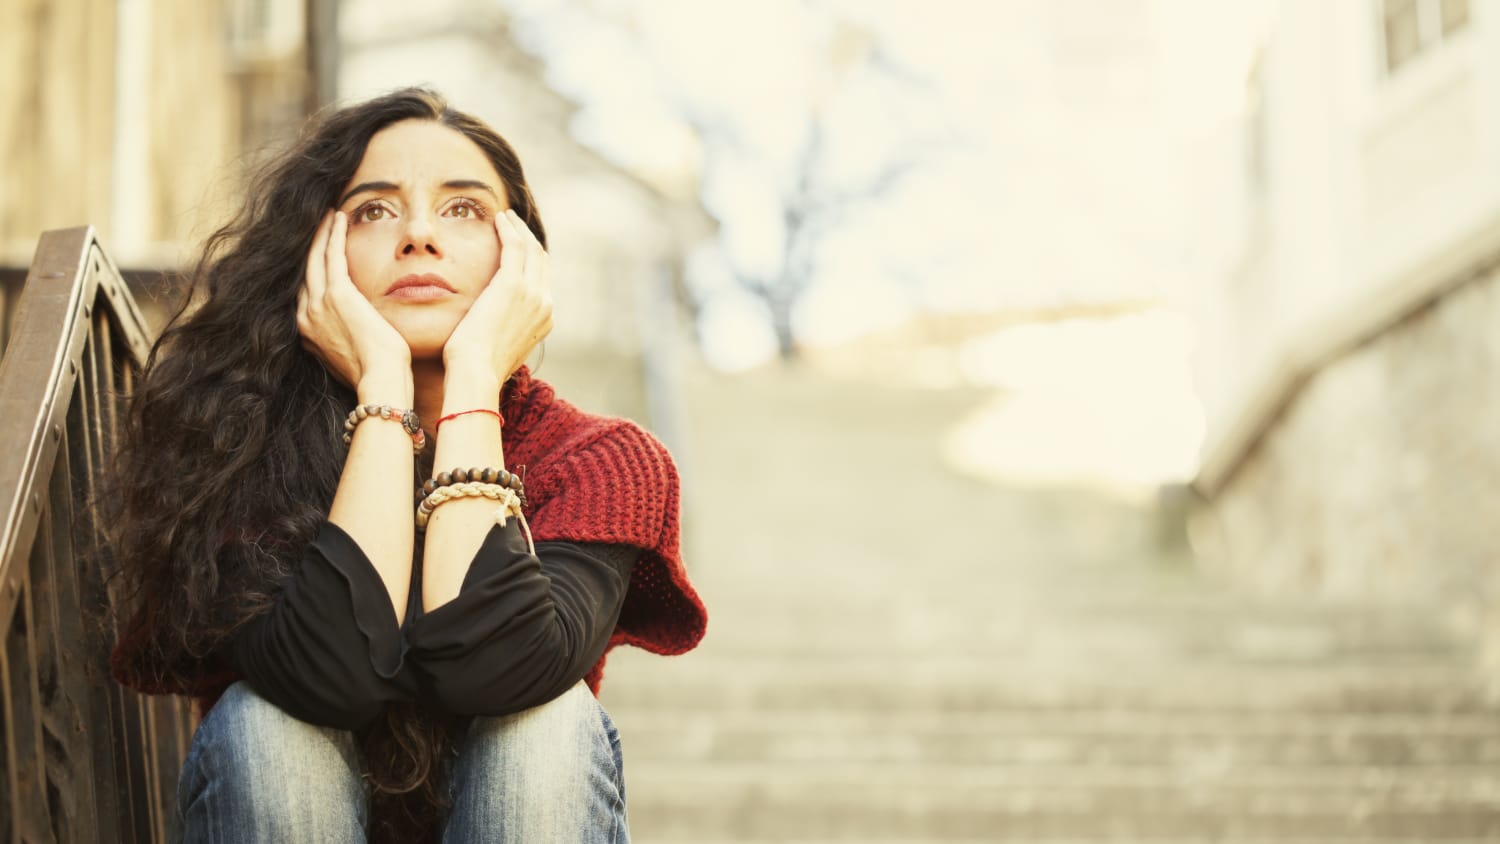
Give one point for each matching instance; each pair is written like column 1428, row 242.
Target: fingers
column 534, row 268
column 523, row 232
column 513, row 246
column 316, row 282
column 536, row 277
column 338, row 262
column 510, row 317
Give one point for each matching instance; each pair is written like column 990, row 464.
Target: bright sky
column 1047, row 148
column 1043, row 136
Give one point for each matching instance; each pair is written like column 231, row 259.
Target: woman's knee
column 552, row 772
column 250, row 759
column 542, row 735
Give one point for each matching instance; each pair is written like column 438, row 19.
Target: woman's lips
column 425, row 287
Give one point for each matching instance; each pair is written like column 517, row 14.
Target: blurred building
column 617, row 238
column 1348, row 362
column 142, row 118
column 136, row 116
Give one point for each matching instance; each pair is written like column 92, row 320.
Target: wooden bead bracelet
column 408, row 419
column 487, row 475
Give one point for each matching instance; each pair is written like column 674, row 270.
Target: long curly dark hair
column 232, row 448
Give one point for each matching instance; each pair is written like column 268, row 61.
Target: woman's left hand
column 512, row 314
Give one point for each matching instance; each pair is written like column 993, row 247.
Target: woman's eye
column 370, row 213
column 466, row 209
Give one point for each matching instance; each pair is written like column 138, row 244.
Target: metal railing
column 84, row 759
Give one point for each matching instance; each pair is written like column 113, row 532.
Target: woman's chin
column 425, row 345
column 425, row 336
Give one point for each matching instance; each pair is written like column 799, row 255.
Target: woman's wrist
column 391, row 386
column 470, row 387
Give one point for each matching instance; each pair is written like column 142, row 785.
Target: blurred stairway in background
column 899, row 654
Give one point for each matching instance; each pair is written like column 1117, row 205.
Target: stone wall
column 57, row 116
column 1381, row 479
column 135, row 118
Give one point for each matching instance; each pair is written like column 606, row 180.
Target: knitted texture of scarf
column 592, row 478
column 589, row 478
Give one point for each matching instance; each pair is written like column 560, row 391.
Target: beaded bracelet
column 488, row 475
column 510, row 503
column 408, row 419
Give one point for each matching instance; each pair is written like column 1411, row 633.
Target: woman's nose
column 420, row 236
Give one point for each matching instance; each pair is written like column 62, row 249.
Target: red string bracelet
column 494, row 413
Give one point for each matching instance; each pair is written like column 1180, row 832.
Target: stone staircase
column 899, row 654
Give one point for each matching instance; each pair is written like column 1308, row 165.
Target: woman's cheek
column 485, row 251
column 361, row 252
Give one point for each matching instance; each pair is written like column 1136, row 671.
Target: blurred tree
column 811, row 208
column 783, row 91
column 813, row 201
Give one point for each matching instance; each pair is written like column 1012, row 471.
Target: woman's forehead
column 424, row 154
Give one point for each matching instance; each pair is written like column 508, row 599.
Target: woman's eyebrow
column 461, row 184
column 452, row 184
column 369, row 186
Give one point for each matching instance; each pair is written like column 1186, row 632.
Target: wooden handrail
column 84, row 760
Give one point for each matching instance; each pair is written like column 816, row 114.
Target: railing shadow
column 84, row 759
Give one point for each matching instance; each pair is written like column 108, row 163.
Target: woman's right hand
column 338, row 324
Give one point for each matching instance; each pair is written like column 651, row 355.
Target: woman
column 387, row 560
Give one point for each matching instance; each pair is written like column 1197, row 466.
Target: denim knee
column 550, row 773
column 255, row 773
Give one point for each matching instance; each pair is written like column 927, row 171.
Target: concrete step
column 911, row 633
column 864, row 802
column 1029, row 598
column 1226, row 839
column 1026, row 666
column 1204, row 743
column 1023, row 667
column 695, row 684
column 858, row 595
column 1229, row 838
column 979, row 581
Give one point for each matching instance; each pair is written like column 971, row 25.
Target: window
column 265, row 29
column 1410, row 27
column 1455, row 15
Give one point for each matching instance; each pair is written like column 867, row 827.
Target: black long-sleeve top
column 523, row 629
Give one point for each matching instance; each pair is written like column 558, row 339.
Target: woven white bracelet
column 510, row 503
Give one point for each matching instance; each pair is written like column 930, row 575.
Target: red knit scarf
column 593, row 478
column 589, row 478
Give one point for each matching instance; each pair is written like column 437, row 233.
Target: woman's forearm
column 457, row 528
column 373, row 503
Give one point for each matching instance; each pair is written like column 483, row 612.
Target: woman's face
column 422, row 242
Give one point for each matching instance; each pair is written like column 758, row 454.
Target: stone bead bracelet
column 408, row 419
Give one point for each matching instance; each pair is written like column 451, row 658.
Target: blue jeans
column 552, row 773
